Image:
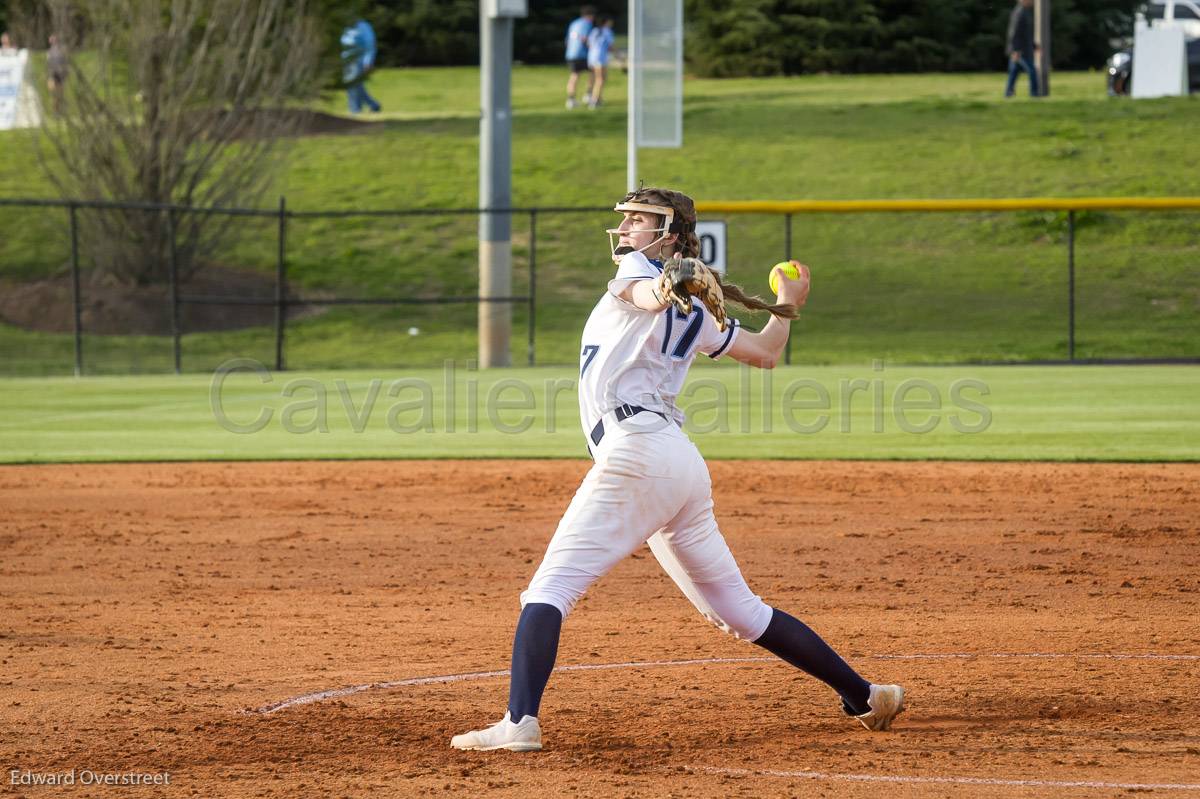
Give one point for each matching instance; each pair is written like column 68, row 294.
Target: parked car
column 1120, row 69
column 1183, row 14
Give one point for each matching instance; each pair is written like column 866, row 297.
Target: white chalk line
column 337, row 693
column 914, row 780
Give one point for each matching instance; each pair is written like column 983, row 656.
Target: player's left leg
column 368, row 100
column 712, row 581
column 597, row 86
column 693, row 552
column 1010, row 85
column 572, row 82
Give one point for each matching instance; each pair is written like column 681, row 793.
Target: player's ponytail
column 735, row 292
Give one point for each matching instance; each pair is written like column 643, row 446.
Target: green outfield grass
column 988, row 413
column 905, row 287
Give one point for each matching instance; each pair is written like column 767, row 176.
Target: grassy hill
column 904, row 287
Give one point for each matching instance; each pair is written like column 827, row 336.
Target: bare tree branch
column 174, row 101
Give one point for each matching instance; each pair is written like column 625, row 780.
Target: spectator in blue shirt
column 599, row 42
column 577, row 50
column 358, row 59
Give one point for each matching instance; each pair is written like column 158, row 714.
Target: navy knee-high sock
column 792, row 640
column 535, row 647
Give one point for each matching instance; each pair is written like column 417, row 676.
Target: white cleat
column 886, row 702
column 525, row 736
column 572, row 102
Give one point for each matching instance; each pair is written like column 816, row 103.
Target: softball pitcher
column 648, row 482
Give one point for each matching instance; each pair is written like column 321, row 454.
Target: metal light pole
column 1041, row 15
column 495, row 177
column 633, row 68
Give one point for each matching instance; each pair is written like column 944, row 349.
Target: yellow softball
column 788, row 268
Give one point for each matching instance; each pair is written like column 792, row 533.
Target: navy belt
column 622, row 413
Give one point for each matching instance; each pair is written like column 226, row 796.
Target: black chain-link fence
column 358, row 289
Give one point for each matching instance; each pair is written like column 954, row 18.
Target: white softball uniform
column 649, row 482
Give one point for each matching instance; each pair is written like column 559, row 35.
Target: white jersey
column 649, row 483
column 640, row 358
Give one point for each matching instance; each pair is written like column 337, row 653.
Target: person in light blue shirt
column 599, row 42
column 577, row 50
column 358, row 59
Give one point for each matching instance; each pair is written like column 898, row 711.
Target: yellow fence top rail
column 1015, row 204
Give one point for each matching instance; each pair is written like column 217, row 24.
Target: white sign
column 1160, row 66
column 18, row 103
column 712, row 245
column 657, row 47
column 498, row 9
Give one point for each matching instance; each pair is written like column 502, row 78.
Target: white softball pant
column 655, row 487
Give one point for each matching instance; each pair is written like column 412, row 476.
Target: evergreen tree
column 726, row 38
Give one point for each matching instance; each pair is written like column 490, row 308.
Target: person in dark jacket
column 58, row 64
column 1021, row 48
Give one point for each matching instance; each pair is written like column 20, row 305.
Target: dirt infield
column 1043, row 618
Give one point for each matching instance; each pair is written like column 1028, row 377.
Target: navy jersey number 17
column 687, row 335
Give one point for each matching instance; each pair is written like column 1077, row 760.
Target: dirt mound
column 119, row 309
column 148, row 607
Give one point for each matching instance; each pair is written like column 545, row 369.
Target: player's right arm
column 764, row 348
column 637, row 283
column 645, row 294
